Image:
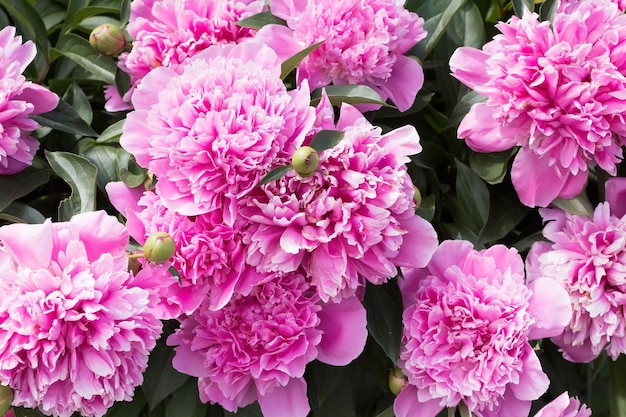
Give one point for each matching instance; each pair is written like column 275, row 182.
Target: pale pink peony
column 568, row 4
column 352, row 220
column 257, row 346
column 75, row 329
column 212, row 132
column 168, row 32
column 587, row 256
column 564, row 406
column 209, row 254
column 364, row 42
column 468, row 320
column 556, row 89
column 19, row 99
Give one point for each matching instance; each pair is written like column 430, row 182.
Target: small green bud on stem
column 417, row 196
column 305, row 161
column 108, row 39
column 397, row 381
column 159, row 248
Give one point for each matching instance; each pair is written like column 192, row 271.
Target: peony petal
column 18, row 239
column 407, row 78
column 615, row 191
column 345, row 332
column 466, row 64
column 287, row 401
column 550, row 307
column 511, row 406
column 418, row 245
column 281, row 40
column 579, row 354
column 407, row 405
column 483, row 133
column 533, row 382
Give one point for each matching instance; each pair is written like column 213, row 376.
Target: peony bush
column 312, row 208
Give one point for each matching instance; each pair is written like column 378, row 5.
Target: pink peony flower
column 556, row 89
column 75, row 330
column 168, row 32
column 20, row 99
column 587, row 256
column 258, row 345
column 212, row 132
column 467, row 322
column 570, row 4
column 364, row 42
column 353, row 219
column 209, row 254
column 564, row 406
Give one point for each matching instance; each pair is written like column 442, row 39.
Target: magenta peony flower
column 258, row 345
column 209, row 254
column 564, row 406
column 168, row 32
column 556, row 89
column 75, row 330
column 467, row 322
column 587, row 256
column 212, row 132
column 352, row 219
column 364, row 42
column 19, row 100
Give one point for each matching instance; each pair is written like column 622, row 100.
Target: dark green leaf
column 524, row 244
column 293, row 61
column 112, row 133
column 491, row 167
column 124, row 12
column 351, row 94
column 105, row 159
column 80, row 174
column 130, row 173
column 426, row 210
column 548, row 9
column 253, row 410
column 384, row 316
column 18, row 212
column 275, row 174
column 387, row 413
column 26, row 412
column 467, row 28
column 122, row 81
column 65, row 119
column 523, row 6
column 463, row 106
column 79, row 50
column 473, row 196
column 77, row 99
column 186, row 402
column 161, row 379
column 18, row 185
column 505, row 213
column 617, row 390
column 436, row 26
column 128, row 409
column 257, row 21
column 326, row 139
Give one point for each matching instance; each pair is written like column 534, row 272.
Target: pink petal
column 281, row 40
column 407, row 405
column 450, row 252
column 100, row 233
column 407, row 78
column 579, row 354
column 344, row 326
column 511, row 406
column 467, row 66
column 18, row 239
column 615, row 191
column 483, row 133
column 533, row 266
column 418, row 245
column 287, row 401
column 533, row 382
column 550, row 307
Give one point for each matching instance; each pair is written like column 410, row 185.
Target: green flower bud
column 6, row 397
column 397, row 381
column 305, row 161
column 159, row 248
column 417, row 196
column 108, row 39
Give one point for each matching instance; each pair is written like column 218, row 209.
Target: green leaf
column 275, row 174
column 467, row 27
column 257, row 21
column 351, row 94
column 80, row 174
column 473, row 196
column 79, row 50
column 161, row 379
column 523, row 6
column 326, row 139
column 617, row 388
column 130, row 173
column 436, row 25
column 186, row 401
column 18, row 212
column 122, row 81
column 547, row 10
column 105, row 159
column 491, row 167
column 77, row 99
column 26, row 412
column 384, row 316
column 387, row 413
column 426, row 210
column 124, row 12
column 65, row 119
column 18, row 185
column 505, row 213
column 112, row 133
column 293, row 61
column 128, row 409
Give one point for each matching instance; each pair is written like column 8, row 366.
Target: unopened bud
column 159, row 248
column 305, row 161
column 397, row 381
column 6, row 397
column 108, row 39
column 417, row 196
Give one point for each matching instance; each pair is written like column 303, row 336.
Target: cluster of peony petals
column 352, row 219
column 212, row 131
column 258, row 345
column 363, row 42
column 20, row 100
column 468, row 320
column 564, row 406
column 168, row 32
column 75, row 328
column 587, row 256
column 209, row 254
column 555, row 89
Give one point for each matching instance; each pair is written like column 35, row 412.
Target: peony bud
column 108, row 39
column 6, row 397
column 159, row 248
column 397, row 381
column 417, row 196
column 305, row 161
